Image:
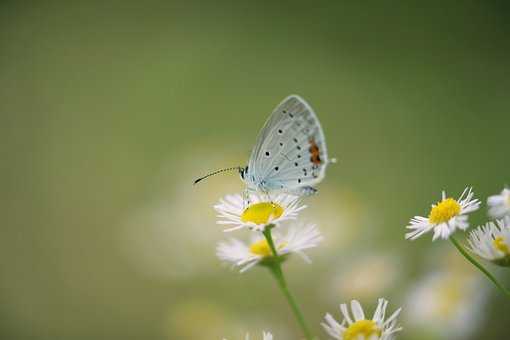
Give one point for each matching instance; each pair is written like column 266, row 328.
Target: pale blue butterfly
column 290, row 154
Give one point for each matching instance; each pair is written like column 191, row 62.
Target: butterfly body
column 290, row 154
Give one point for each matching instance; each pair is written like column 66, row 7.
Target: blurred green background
column 110, row 110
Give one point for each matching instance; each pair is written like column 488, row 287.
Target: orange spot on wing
column 314, row 152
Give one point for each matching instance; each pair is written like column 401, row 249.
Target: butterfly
column 290, row 154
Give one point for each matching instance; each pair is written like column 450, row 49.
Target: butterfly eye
column 296, row 164
column 276, row 168
column 281, row 144
column 267, row 153
column 295, row 140
column 280, row 131
column 298, row 147
column 299, row 180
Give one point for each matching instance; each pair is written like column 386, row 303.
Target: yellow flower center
column 366, row 328
column 261, row 213
column 444, row 211
column 499, row 244
column 263, row 249
column 449, row 298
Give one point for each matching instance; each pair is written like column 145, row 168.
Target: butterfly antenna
column 216, row 172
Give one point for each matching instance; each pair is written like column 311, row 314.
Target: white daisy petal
column 332, row 327
column 393, row 317
column 305, row 257
column 380, row 311
column 357, row 311
column 345, row 312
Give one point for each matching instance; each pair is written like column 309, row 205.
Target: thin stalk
column 276, row 270
column 478, row 265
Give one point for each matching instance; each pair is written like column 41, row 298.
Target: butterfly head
column 243, row 172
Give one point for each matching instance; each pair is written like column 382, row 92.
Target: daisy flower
column 445, row 216
column 499, row 205
column 297, row 239
column 265, row 336
column 492, row 242
column 360, row 328
column 447, row 305
column 259, row 213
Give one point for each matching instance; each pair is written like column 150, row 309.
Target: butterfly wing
column 291, row 149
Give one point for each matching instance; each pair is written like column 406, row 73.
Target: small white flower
column 492, row 242
column 259, row 213
column 361, row 328
column 445, row 216
column 265, row 336
column 297, row 239
column 447, row 304
column 499, row 205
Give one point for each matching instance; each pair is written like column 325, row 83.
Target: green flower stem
column 276, row 270
column 479, row 266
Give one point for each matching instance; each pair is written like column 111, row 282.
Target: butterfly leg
column 246, row 198
column 268, row 197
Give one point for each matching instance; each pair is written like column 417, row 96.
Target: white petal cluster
column 358, row 327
